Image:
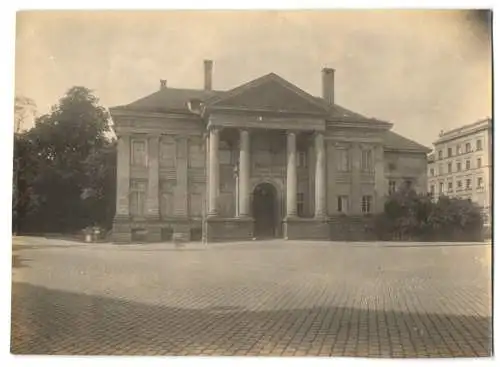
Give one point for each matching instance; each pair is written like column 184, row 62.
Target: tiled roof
column 170, row 99
column 398, row 142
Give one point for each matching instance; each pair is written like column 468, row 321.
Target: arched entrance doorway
column 264, row 210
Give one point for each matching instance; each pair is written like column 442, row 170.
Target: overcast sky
column 423, row 71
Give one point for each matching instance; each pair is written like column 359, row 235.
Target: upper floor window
column 343, row 163
column 392, row 186
column 167, row 152
column 224, row 153
column 450, row 153
column 440, row 169
column 459, row 166
column 467, row 147
column 366, row 160
column 459, row 185
column 432, row 189
column 440, row 154
column 468, row 184
column 342, row 201
column 441, row 187
column 479, row 182
column 479, row 163
column 479, row 144
column 467, row 164
column 366, row 204
column 432, row 171
column 139, row 154
column 459, row 149
column 196, row 154
column 301, row 158
column 450, row 186
column 450, row 169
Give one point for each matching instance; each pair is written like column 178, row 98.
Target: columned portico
column 320, row 193
column 244, row 174
column 291, row 175
column 213, row 172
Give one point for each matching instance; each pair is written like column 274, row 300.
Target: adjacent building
column 265, row 159
column 461, row 164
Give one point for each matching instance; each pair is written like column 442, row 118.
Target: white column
column 213, row 172
column 291, row 175
column 244, row 174
column 153, row 203
column 319, row 183
column 123, row 176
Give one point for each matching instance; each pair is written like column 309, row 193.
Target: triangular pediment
column 269, row 93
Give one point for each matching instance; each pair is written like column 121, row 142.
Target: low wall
column 228, row 229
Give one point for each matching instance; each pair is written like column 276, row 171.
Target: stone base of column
column 219, row 229
column 295, row 228
column 121, row 232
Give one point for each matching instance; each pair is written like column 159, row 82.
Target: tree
column 71, row 163
column 24, row 109
column 408, row 215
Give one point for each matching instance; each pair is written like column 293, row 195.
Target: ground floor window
column 300, row 205
column 342, row 202
column 366, row 204
column 138, row 198
column 392, row 187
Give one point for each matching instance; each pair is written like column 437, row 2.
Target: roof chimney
column 329, row 85
column 209, row 65
column 163, row 84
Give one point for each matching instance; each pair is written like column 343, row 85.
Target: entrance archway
column 264, row 210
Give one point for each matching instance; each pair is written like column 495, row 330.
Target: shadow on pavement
column 46, row 321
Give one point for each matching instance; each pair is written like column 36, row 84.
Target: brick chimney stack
column 209, row 65
column 329, row 85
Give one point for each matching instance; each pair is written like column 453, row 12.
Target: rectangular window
column 139, row 154
column 459, row 166
column 468, row 184
column 432, row 171
column 366, row 204
column 459, row 185
column 196, row 155
column 441, row 187
column 440, row 169
column 479, row 182
column 195, row 204
column 467, row 164
column 367, row 160
column 138, row 198
column 467, row 148
column 343, row 160
column 450, row 169
column 479, row 163
column 392, row 187
column 479, row 145
column 432, row 189
column 300, row 204
column 450, row 152
column 450, row 186
column 342, row 201
column 301, row 159
column 440, row 154
column 167, row 198
column 167, row 153
column 459, row 149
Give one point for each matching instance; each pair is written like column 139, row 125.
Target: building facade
column 461, row 166
column 264, row 159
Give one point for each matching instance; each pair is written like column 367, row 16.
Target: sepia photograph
column 266, row 183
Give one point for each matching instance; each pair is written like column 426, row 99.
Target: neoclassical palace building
column 264, row 159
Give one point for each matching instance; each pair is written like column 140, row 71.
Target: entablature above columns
column 267, row 122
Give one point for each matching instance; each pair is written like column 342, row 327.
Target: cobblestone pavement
column 271, row 298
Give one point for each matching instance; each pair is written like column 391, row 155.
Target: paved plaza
column 265, row 298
